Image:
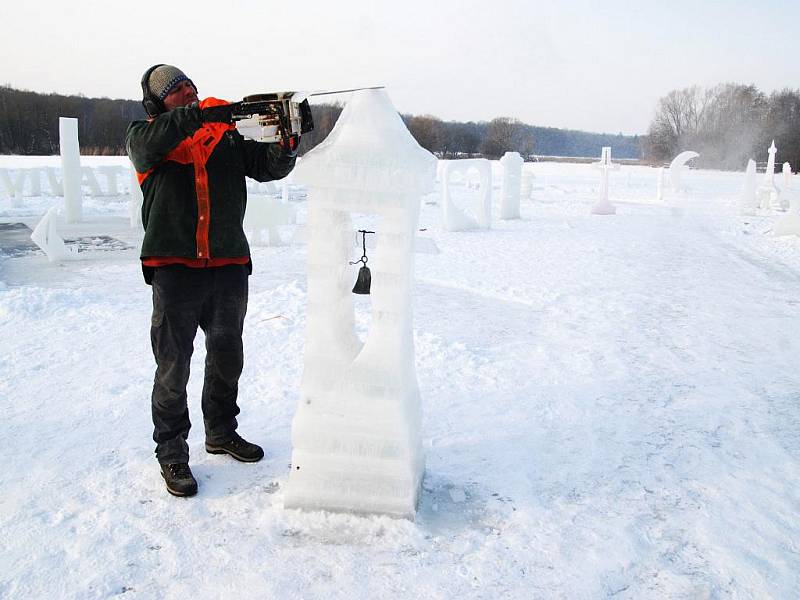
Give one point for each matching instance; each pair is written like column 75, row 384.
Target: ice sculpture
column 88, row 178
column 287, row 181
column 660, row 185
column 767, row 192
column 789, row 224
column 46, row 237
column 526, row 185
column 455, row 219
column 35, row 177
column 110, row 175
column 56, row 189
column 677, row 166
column 70, row 168
column 748, row 202
column 604, row 206
column 14, row 186
column 136, row 200
column 267, row 214
column 786, row 185
column 356, row 434
column 512, row 174
column 787, row 176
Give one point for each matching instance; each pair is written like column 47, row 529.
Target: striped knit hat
column 164, row 78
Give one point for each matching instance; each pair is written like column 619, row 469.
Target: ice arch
column 676, row 168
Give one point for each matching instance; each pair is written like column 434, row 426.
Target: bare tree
column 428, row 131
column 505, row 134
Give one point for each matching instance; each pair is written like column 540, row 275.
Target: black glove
column 218, row 114
column 289, row 145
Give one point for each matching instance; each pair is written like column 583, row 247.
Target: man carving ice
column 191, row 165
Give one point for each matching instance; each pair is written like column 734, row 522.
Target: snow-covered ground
column 611, row 409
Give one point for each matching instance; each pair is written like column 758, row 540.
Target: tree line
column 726, row 124
column 29, row 126
column 29, row 122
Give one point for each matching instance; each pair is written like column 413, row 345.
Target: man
column 191, row 165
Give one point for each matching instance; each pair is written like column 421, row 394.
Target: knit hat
column 164, row 78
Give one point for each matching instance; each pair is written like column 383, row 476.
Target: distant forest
column 726, row 124
column 29, row 126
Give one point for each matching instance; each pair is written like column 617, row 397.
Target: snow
column 610, row 409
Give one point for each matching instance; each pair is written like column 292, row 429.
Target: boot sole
column 178, row 493
column 239, row 457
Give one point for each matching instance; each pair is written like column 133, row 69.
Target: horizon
column 535, row 125
column 572, row 66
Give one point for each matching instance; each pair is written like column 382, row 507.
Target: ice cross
column 603, row 206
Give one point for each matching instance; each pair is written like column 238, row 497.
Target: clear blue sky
column 598, row 66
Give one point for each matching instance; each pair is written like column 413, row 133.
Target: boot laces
column 180, row 471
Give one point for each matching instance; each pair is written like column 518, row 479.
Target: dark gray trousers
column 215, row 299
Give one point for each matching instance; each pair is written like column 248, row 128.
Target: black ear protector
column 151, row 103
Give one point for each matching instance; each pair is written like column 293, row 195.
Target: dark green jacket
column 192, row 177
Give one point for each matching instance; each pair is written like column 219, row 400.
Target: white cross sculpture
column 604, row 206
column 356, row 443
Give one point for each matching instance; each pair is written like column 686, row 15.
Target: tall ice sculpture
column 356, row 434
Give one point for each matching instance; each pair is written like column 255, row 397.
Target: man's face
column 182, row 94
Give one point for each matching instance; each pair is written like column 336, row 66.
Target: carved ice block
column 356, row 440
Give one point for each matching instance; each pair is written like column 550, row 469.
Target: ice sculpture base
column 349, row 484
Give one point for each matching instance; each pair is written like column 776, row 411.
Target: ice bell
column 364, row 280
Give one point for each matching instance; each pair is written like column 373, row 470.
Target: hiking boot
column 179, row 479
column 238, row 448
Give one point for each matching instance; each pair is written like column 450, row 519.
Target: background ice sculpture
column 136, row 200
column 56, row 187
column 110, row 173
column 789, row 224
column 14, row 186
column 46, row 237
column 70, row 168
column 455, row 219
column 660, row 185
column 526, row 185
column 267, row 214
column 89, row 179
column 604, row 206
column 356, row 434
column 512, row 175
column 768, row 192
column 677, row 166
column 748, row 202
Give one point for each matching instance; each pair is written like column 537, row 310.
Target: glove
column 219, row 114
column 294, row 142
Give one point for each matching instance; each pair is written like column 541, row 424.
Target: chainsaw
column 278, row 116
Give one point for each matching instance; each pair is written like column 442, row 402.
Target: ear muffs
column 151, row 103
